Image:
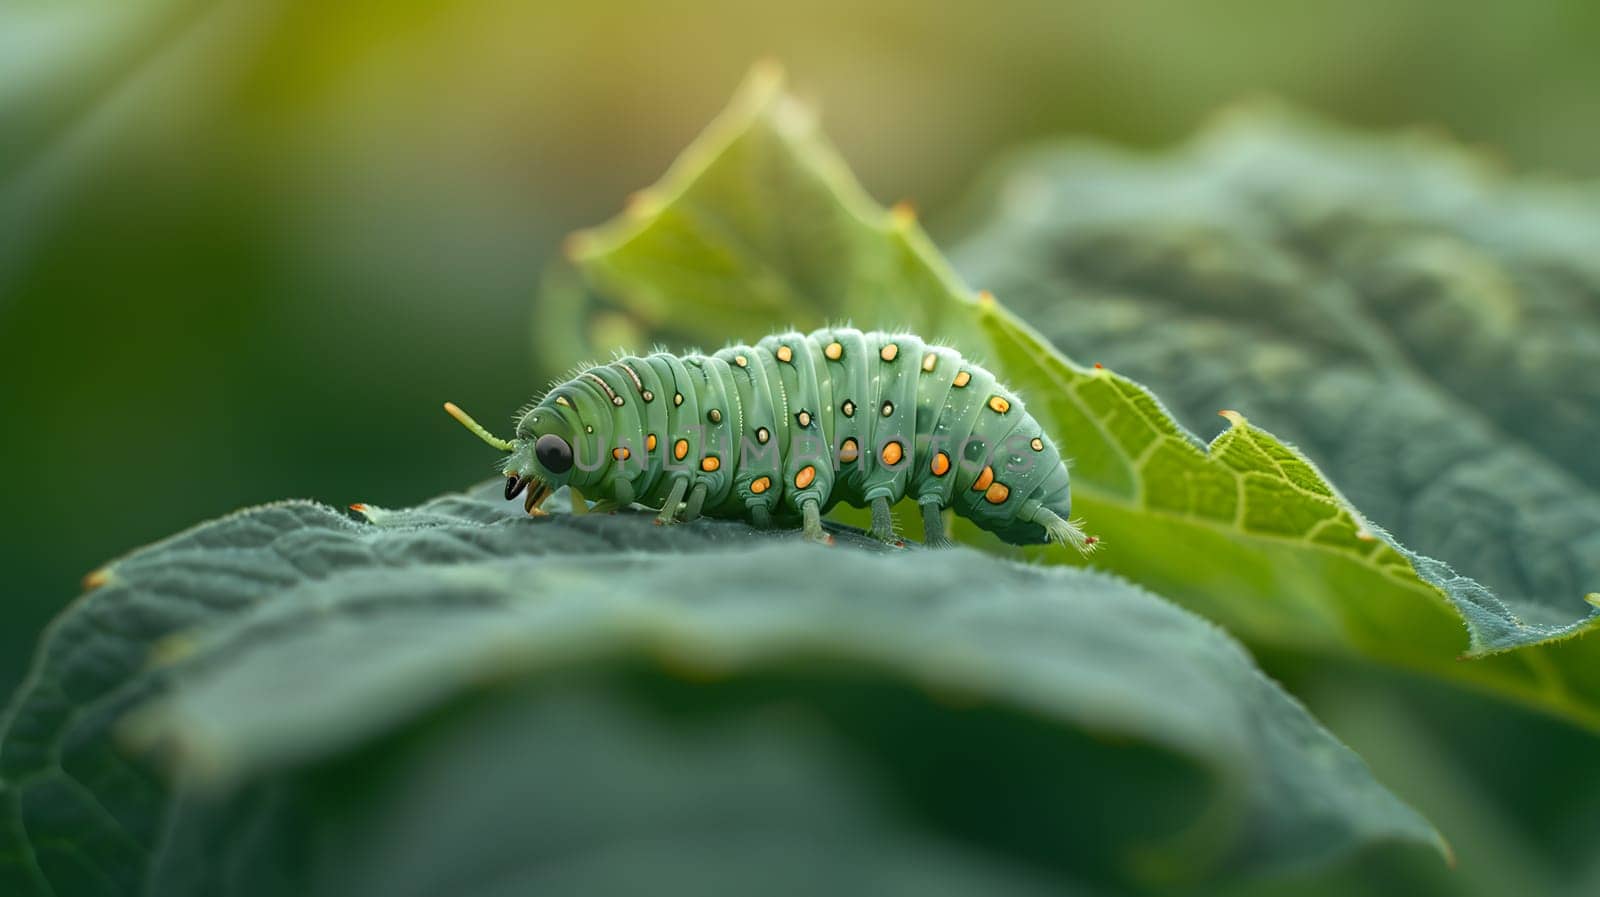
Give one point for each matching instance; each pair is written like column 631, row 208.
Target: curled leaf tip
column 174, row 648
column 768, row 71
column 576, row 245
column 1234, row 418
column 689, row 664
column 1448, row 851
column 641, row 204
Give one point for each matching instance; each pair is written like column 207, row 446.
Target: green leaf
column 461, row 699
column 1420, row 325
column 760, row 221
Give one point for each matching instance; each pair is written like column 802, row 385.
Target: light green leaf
column 461, row 699
column 761, row 222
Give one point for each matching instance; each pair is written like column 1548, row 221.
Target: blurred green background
column 247, row 247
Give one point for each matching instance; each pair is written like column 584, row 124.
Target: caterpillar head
column 540, row 458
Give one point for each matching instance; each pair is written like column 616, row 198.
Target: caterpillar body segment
column 785, row 429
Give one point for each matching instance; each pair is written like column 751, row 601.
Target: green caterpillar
column 789, row 427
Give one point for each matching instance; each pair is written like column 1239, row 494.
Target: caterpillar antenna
column 477, row 429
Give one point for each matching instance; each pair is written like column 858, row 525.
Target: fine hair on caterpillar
column 784, row 429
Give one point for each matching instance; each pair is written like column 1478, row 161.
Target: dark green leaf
column 460, row 699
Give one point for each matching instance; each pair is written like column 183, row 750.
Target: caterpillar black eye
column 554, row 453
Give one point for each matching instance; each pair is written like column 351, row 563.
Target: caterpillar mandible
column 791, row 426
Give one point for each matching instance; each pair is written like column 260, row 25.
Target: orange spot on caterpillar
column 1099, row 367
column 94, row 579
column 984, row 479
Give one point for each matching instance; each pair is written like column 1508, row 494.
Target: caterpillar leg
column 669, row 508
column 811, row 527
column 621, row 498
column 1067, row 532
column 760, row 517
column 937, row 535
column 882, row 522
column 697, row 500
